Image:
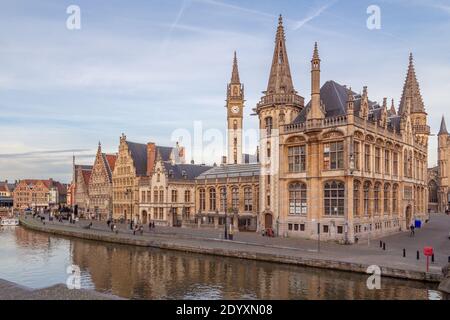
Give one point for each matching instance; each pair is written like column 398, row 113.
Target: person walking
column 413, row 230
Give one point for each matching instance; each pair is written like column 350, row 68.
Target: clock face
column 235, row 109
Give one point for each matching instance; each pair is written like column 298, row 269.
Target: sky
column 154, row 68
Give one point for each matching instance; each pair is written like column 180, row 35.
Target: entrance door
column 408, row 217
column 144, row 217
column 268, row 221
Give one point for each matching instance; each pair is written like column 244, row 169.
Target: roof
column 411, row 90
column 8, row 187
column 443, row 129
column 110, row 162
column 86, row 175
column 334, row 98
column 139, row 154
column 184, row 171
column 233, row 170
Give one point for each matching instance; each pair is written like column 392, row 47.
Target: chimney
column 151, row 157
column 224, row 160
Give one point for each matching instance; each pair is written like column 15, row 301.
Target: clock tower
column 235, row 108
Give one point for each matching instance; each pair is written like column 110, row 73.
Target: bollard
column 381, row 244
column 448, row 259
column 404, row 253
column 418, row 255
column 432, row 258
column 384, row 246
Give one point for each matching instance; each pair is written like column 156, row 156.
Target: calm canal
column 39, row 260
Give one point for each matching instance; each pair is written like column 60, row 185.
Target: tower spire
column 443, row 130
column 235, row 74
column 411, row 92
column 280, row 80
column 392, row 111
column 316, row 111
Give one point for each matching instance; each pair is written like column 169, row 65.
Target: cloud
column 33, row 154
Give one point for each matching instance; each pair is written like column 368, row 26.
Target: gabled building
column 6, row 194
column 134, row 165
column 82, row 177
column 100, row 185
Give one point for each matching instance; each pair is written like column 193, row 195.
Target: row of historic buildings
column 340, row 165
column 39, row 194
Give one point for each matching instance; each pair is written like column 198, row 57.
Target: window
column 356, row 198
column 248, row 200
column 433, row 196
column 155, row 196
column 395, row 164
column 357, row 155
column 295, row 227
column 387, row 193
column 269, row 150
column 223, row 199
column 367, row 198
column 235, row 198
column 297, row 159
column 334, row 199
column 326, row 229
column 334, row 155
column 174, row 196
column 202, row 203
column 376, row 197
column 187, row 196
column 387, row 162
column 269, row 125
column 377, row 160
column 298, row 199
column 302, row 227
column 161, row 196
column 212, row 199
column 143, row 197
column 290, row 226
column 340, row 229
column 367, row 158
column 395, row 199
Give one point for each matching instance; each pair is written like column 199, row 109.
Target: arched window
column 298, row 199
column 387, row 198
column 367, row 186
column 248, row 199
column 223, row 199
column 235, row 198
column 334, row 198
column 395, row 199
column 202, row 195
column 212, row 199
column 377, row 198
column 356, row 198
column 433, row 189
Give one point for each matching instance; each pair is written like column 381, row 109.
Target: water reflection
column 40, row 260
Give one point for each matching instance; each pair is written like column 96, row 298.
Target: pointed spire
column 411, row 91
column 280, row 80
column 235, row 74
column 443, row 130
column 392, row 111
column 350, row 101
column 316, row 52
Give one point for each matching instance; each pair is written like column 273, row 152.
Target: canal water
column 39, row 260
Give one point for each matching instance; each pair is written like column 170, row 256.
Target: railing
column 281, row 99
column 422, row 129
column 314, row 124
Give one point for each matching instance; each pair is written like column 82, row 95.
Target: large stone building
column 342, row 165
column 39, row 194
column 82, row 175
column 134, row 165
column 168, row 199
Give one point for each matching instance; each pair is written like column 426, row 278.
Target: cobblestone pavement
column 435, row 234
column 12, row 291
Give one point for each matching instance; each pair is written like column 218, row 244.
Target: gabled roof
column 184, row 171
column 139, row 154
column 233, row 170
column 110, row 161
column 443, row 129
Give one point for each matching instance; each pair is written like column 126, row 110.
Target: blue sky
column 148, row 68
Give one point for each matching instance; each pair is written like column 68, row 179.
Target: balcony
column 290, row 99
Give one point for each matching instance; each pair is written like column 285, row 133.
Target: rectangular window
column 325, row 229
column 367, row 158
column 296, row 227
column 387, row 162
column 340, row 230
column 357, row 155
column 297, row 159
column 377, row 160
column 395, row 164
column 290, row 226
column 334, row 156
column 302, row 227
